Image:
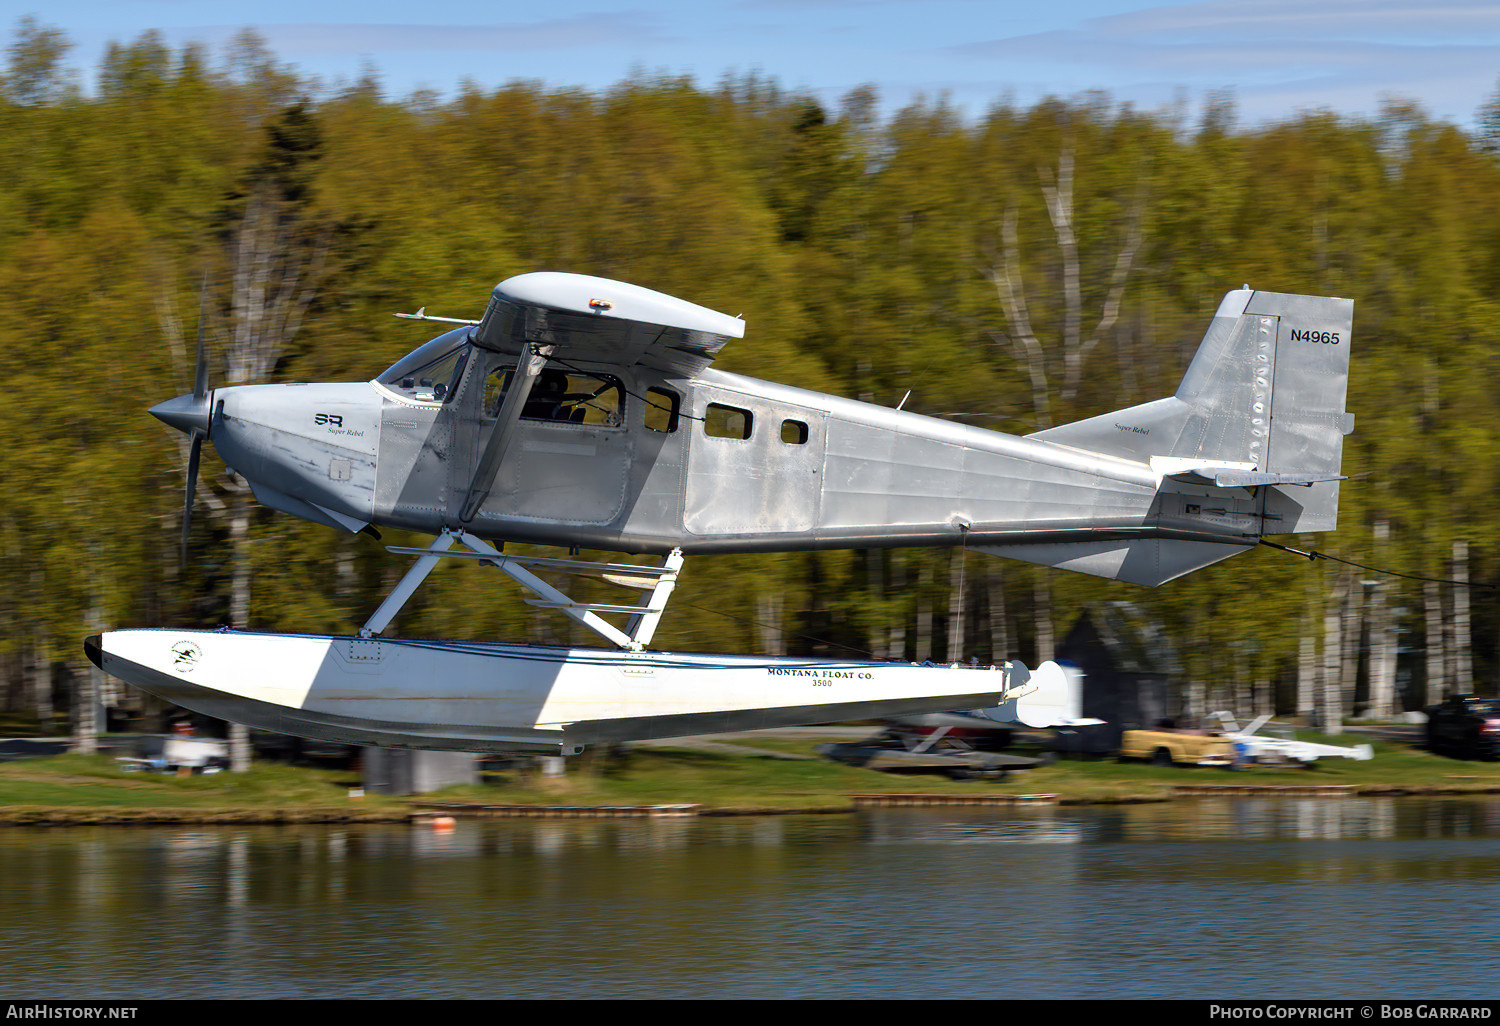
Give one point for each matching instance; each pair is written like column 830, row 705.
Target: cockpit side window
column 563, row 396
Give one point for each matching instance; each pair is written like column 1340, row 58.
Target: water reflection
column 1197, row 820
column 1223, row 897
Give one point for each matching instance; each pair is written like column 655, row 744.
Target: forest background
column 1013, row 270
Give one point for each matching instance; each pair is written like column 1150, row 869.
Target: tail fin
column 1049, row 696
column 1251, row 443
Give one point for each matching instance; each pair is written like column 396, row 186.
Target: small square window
column 794, row 432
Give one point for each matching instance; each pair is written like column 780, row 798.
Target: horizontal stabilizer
column 1219, row 474
column 1255, row 479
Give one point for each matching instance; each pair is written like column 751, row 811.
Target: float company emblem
column 185, row 655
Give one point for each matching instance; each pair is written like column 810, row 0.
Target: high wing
column 550, row 315
column 583, row 318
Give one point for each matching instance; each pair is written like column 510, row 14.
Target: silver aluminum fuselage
column 816, row 471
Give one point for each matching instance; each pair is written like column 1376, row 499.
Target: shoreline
column 419, row 812
column 768, row 774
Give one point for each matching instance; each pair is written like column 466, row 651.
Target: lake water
column 1224, row 898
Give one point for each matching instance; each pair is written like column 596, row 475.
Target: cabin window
column 794, row 432
column 662, row 408
column 566, row 397
column 726, row 421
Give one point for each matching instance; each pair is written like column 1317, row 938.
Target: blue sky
column 1278, row 57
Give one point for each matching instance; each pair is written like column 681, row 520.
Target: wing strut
column 644, row 617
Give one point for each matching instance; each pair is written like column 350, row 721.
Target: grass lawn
column 67, row 788
column 70, row 786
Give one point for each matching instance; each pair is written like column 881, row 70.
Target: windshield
column 430, row 372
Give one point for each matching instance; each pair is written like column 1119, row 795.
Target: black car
column 1467, row 726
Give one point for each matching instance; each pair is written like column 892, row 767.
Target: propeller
column 190, row 414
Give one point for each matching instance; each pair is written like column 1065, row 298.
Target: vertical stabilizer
column 1263, row 397
column 1250, row 444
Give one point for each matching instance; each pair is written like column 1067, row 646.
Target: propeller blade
column 192, row 490
column 200, row 410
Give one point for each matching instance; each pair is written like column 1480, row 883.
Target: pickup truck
column 1172, row 747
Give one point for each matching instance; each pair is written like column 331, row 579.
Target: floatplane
column 581, row 412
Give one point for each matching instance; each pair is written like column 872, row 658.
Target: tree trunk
column 1043, row 617
column 878, row 637
column 999, row 632
column 1307, row 676
column 1330, row 705
column 1351, row 629
column 1383, row 639
column 1437, row 683
column 88, row 690
column 768, row 614
column 1463, row 635
column 1193, row 704
column 1004, row 273
column 239, row 610
column 41, row 688
column 896, row 645
column 924, row 613
column 273, row 274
